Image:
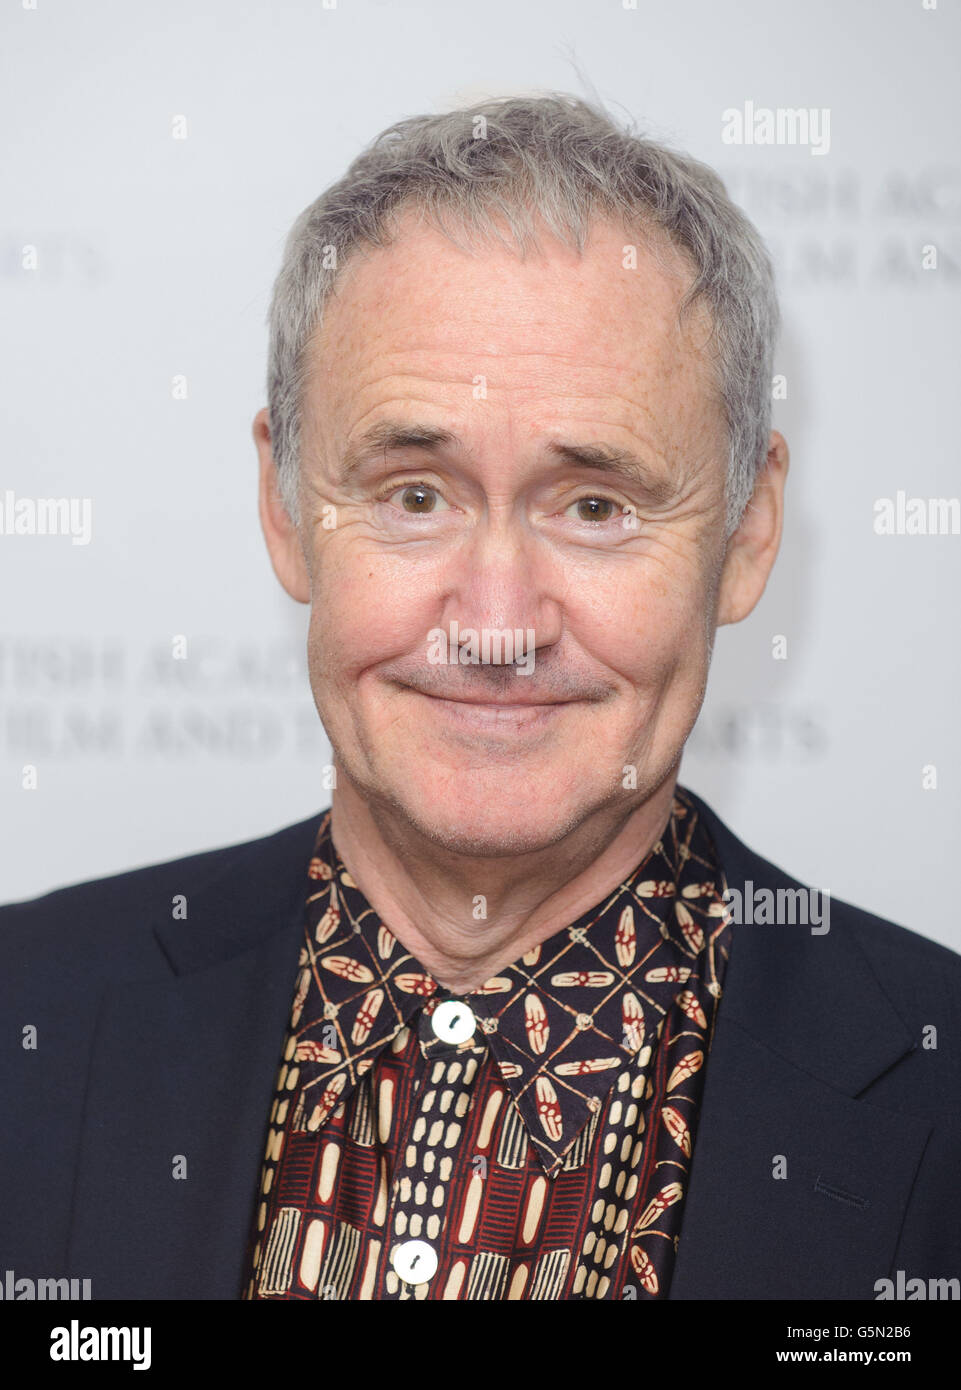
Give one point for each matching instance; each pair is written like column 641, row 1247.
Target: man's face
column 503, row 365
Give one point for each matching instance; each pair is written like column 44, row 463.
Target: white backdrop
column 149, row 275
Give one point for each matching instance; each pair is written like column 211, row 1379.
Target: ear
column 752, row 549
column 280, row 533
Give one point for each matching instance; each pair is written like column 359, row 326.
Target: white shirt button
column 453, row 1022
column 415, row 1261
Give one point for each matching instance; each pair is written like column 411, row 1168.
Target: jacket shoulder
column 78, row 914
column 900, row 955
column 922, row 977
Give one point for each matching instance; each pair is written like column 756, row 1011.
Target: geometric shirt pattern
column 530, row 1139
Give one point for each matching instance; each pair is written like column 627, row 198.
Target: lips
column 481, row 717
column 495, row 704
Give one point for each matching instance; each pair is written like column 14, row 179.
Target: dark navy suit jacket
column 159, row 1037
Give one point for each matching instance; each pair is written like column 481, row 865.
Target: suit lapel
column 803, row 1028
column 178, row 1092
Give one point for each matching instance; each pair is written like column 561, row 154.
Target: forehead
column 592, row 334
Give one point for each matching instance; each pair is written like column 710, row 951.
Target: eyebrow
column 601, row 458
column 388, row 434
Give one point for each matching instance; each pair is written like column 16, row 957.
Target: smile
column 494, row 714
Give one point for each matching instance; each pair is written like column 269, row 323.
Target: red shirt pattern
column 545, row 1155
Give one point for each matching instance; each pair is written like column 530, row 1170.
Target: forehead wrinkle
column 658, row 366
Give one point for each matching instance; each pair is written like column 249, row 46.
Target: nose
column 502, row 581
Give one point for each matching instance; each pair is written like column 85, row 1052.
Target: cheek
column 366, row 609
column 650, row 626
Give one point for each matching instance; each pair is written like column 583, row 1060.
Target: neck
column 464, row 917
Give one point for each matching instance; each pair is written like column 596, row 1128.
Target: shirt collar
column 561, row 1022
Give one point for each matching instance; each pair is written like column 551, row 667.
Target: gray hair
column 514, row 158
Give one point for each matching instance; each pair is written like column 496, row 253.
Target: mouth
column 507, row 714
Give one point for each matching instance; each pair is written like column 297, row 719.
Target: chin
column 493, row 836
column 496, row 819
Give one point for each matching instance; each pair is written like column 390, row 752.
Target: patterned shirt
column 530, row 1139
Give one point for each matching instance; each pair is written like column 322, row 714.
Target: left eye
column 593, row 509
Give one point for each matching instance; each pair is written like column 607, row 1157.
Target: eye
column 417, row 499
column 593, row 509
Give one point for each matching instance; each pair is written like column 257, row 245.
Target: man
column 499, row 1025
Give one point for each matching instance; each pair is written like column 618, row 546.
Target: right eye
column 417, row 499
